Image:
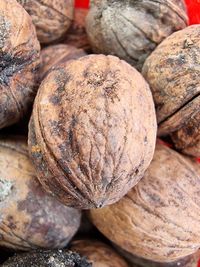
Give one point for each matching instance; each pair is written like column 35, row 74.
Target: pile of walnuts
column 88, row 101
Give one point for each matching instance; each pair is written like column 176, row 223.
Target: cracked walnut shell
column 30, row 218
column 159, row 219
column 92, row 132
column 132, row 29
column 173, row 73
column 19, row 61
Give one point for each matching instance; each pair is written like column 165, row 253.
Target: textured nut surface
column 47, row 259
column 159, row 218
column 173, row 72
column 29, row 217
column 76, row 35
column 98, row 253
column 132, row 29
column 52, row 18
column 19, row 60
column 92, row 132
column 57, row 54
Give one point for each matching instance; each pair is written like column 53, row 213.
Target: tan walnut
column 132, row 29
column 30, row 218
column 19, row 61
column 52, row 18
column 56, row 258
column 159, row 219
column 173, row 74
column 98, row 253
column 56, row 54
column 92, row 131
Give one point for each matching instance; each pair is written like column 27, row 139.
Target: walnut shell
column 131, row 30
column 29, row 217
column 52, row 18
column 57, row 54
column 159, row 219
column 189, row 261
column 19, row 60
column 92, row 132
column 47, row 259
column 173, row 73
column 76, row 35
column 98, row 253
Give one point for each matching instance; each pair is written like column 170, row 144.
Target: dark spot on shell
column 11, row 222
column 55, row 100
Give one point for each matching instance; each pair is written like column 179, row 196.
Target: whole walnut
column 189, row 261
column 49, row 258
column 57, row 54
column 173, row 73
column 92, row 132
column 132, row 29
column 19, row 61
column 159, row 218
column 52, row 18
column 29, row 217
column 76, row 35
column 98, row 253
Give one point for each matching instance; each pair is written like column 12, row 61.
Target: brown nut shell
column 98, row 253
column 92, row 132
column 159, row 219
column 57, row 54
column 49, row 258
column 76, row 35
column 19, row 61
column 131, row 30
column 173, row 73
column 30, row 218
column 52, row 18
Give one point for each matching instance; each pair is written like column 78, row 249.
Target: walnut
column 173, row 73
column 98, row 253
column 30, row 218
column 159, row 218
column 92, row 132
column 57, row 258
column 52, row 18
column 19, row 61
column 57, row 54
column 132, row 29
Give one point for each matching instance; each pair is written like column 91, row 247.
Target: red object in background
column 193, row 11
column 82, row 3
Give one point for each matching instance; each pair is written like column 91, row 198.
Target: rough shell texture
column 92, row 132
column 132, row 29
column 47, row 259
column 189, row 261
column 52, row 18
column 29, row 217
column 57, row 54
column 19, row 60
column 98, row 253
column 159, row 218
column 173, row 73
column 76, row 35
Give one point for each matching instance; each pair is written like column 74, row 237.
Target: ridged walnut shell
column 19, row 61
column 76, row 35
column 52, row 18
column 57, row 54
column 92, row 132
column 173, row 72
column 98, row 253
column 57, row 258
column 159, row 219
column 131, row 30
column 189, row 261
column 29, row 217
